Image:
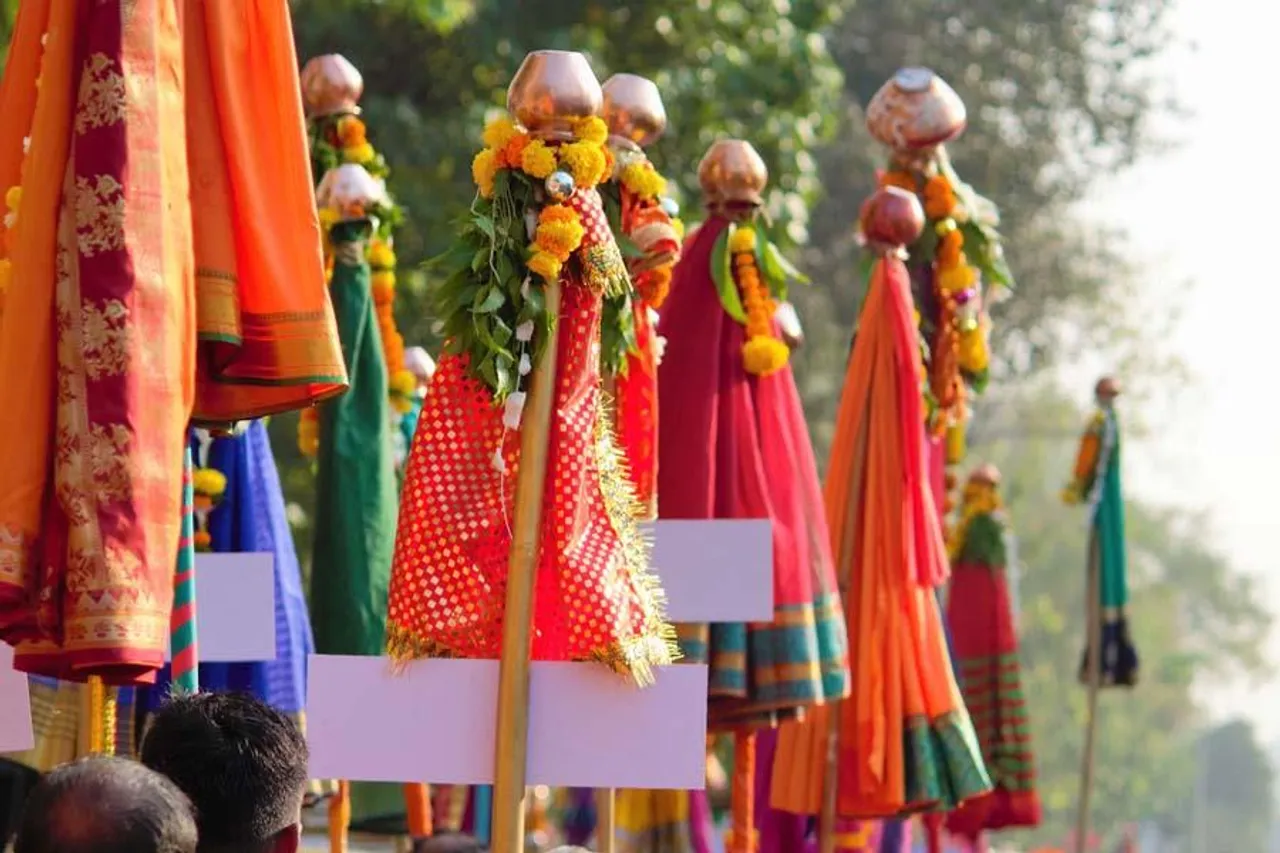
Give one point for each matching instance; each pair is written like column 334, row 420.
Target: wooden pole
column 606, row 820
column 1093, row 679
column 512, row 740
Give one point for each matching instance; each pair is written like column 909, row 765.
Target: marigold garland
column 344, row 139
column 958, row 335
column 208, row 485
column 763, row 353
column 486, row 305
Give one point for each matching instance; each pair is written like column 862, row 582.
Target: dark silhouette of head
column 242, row 763
column 106, row 805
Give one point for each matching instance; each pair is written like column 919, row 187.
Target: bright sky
column 1205, row 222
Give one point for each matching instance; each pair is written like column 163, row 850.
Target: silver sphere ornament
column 560, row 186
column 670, row 206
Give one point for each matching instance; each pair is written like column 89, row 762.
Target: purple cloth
column 895, row 837
column 701, row 824
column 780, row 832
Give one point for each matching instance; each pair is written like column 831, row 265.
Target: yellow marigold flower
column 643, row 180
column 585, row 161
column 403, row 383
column 537, row 159
column 381, row 255
column 361, row 153
column 764, row 354
column 209, row 482
column 957, row 278
column 13, row 197
column 559, row 238
column 484, row 168
column 973, row 355
column 545, row 266
column 591, row 129
column 742, row 240
column 499, row 132
column 677, row 225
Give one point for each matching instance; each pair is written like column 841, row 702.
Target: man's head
column 242, row 763
column 106, row 805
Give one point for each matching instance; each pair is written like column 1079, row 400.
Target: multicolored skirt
column 979, row 614
column 735, row 446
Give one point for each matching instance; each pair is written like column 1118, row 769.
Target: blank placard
column 435, row 722
column 15, row 706
column 715, row 571
column 235, row 608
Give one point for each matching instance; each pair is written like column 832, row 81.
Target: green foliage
column 1190, row 613
column 1234, row 795
column 752, row 68
column 489, row 294
column 1060, row 95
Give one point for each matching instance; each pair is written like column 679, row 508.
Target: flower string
column 763, row 353
column 586, row 162
column 208, row 486
column 344, row 139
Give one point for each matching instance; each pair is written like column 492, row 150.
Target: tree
column 1190, row 612
column 1236, row 789
column 1060, row 94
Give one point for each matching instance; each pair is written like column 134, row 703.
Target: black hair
column 106, row 805
column 242, row 763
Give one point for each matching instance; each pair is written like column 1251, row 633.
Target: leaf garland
column 487, row 294
column 777, row 272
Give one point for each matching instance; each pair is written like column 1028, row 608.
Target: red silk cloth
column 594, row 598
column 736, row 446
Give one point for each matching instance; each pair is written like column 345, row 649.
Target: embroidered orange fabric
column 98, row 580
column 594, row 597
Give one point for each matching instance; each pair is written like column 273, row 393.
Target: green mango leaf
column 722, row 275
column 485, row 224
column 489, row 299
column 777, row 268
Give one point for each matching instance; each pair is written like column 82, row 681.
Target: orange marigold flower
column 513, row 151
column 901, row 180
column 351, row 132
column 949, row 249
column 557, row 213
column 939, row 198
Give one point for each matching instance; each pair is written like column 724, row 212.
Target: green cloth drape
column 355, row 518
column 1108, row 521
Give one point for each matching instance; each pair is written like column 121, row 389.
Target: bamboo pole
column 606, row 820
column 512, row 741
column 1093, row 678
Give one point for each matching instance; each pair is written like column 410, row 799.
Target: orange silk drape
column 269, row 338
column 121, row 201
column 887, row 541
